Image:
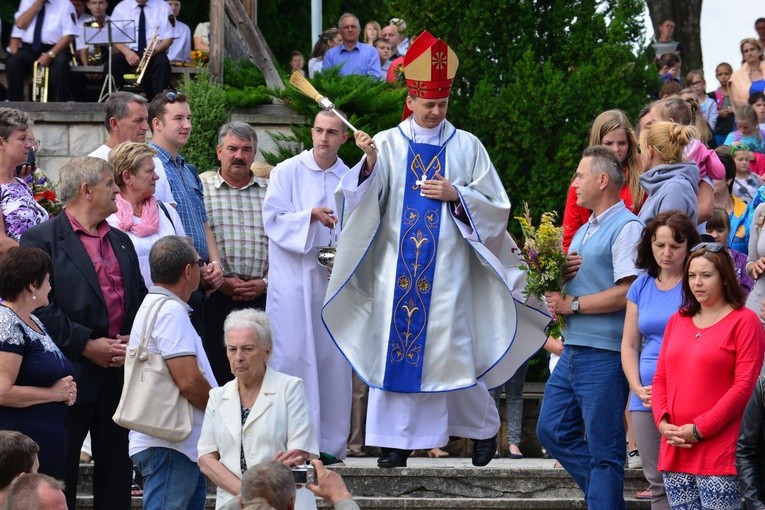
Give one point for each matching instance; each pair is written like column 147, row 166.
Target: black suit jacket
column 77, row 311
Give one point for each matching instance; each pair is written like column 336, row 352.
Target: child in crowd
column 670, row 67
column 757, row 101
column 748, row 132
column 384, row 50
column 718, row 227
column 707, row 105
column 739, row 212
column 725, row 120
column 297, row 61
column 669, row 89
column 746, row 183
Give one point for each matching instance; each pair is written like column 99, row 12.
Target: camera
column 304, row 474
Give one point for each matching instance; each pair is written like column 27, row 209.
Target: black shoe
column 483, row 450
column 328, row 459
column 393, row 457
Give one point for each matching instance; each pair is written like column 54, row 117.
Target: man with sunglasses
column 170, row 122
column 587, row 391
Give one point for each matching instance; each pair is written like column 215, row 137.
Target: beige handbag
column 151, row 402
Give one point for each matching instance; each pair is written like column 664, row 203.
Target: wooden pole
column 217, row 13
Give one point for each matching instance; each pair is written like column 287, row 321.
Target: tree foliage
column 534, row 75
column 687, row 18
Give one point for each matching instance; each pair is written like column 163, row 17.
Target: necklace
column 699, row 328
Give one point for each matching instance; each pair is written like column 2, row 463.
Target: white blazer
column 280, row 419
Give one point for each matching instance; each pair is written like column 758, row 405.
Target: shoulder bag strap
column 150, row 320
column 167, row 214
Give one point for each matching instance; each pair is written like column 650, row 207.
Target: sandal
column 437, row 453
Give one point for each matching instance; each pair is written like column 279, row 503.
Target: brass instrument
column 40, row 83
column 144, row 63
column 95, row 57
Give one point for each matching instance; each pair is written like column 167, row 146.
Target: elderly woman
column 698, row 414
column 144, row 219
column 750, row 77
column 36, row 380
column 261, row 414
column 19, row 209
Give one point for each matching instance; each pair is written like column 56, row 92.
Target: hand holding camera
column 329, row 485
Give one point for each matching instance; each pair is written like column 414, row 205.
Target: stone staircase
column 446, row 484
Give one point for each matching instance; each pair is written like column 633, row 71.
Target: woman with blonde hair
column 670, row 181
column 750, row 77
column 611, row 128
column 372, row 31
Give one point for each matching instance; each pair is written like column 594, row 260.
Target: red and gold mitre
column 429, row 68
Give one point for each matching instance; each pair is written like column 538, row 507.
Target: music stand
column 113, row 32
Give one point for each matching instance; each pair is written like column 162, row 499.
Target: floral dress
column 20, row 209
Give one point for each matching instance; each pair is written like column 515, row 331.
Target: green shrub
column 209, row 112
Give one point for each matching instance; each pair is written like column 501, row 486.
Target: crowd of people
column 282, row 360
column 56, row 34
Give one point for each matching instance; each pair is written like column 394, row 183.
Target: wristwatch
column 575, row 305
column 51, row 54
column 265, row 281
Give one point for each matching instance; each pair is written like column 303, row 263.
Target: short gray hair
column 117, row 106
column 347, row 15
column 12, row 120
column 240, row 130
column 252, row 319
column 78, row 171
column 23, row 493
column 169, row 256
column 271, row 481
column 605, row 161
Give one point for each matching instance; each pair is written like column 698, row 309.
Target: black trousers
column 217, row 307
column 112, row 468
column 155, row 80
column 19, row 66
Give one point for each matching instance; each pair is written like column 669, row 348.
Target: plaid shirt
column 236, row 219
column 187, row 191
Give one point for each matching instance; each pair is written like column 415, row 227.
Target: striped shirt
column 236, row 218
column 187, row 191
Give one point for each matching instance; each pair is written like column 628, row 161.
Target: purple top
column 20, row 210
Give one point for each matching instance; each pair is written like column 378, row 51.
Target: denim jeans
column 170, row 480
column 587, row 391
column 513, row 403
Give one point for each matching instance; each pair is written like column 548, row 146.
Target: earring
column 34, row 297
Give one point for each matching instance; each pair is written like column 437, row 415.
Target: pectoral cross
column 420, row 182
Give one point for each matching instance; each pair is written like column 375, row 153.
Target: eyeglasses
column 350, row 27
column 172, row 96
column 708, row 246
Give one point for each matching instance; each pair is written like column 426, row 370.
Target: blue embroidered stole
column 415, row 269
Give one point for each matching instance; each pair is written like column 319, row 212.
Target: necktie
column 37, row 40
column 142, row 30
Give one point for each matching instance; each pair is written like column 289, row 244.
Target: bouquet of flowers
column 199, row 57
column 44, row 193
column 543, row 254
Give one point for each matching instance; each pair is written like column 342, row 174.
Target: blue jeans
column 170, row 480
column 513, row 403
column 587, row 392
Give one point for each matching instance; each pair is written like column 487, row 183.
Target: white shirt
column 58, row 22
column 161, row 192
column 180, row 50
column 173, row 337
column 156, row 12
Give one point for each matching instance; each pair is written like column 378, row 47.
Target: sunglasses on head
column 708, row 246
column 172, row 96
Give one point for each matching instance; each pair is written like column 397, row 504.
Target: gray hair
column 23, row 493
column 270, row 480
column 12, row 120
column 347, row 15
column 117, row 106
column 240, row 130
column 252, row 319
column 169, row 256
column 605, row 161
column 78, row 171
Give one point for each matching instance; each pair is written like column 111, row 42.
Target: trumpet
column 144, row 63
column 39, row 83
column 94, row 56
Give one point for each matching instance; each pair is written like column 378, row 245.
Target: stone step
column 448, row 483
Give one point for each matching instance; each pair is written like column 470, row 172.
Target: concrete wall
column 75, row 129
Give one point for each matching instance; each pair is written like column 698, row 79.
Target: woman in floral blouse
column 19, row 209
